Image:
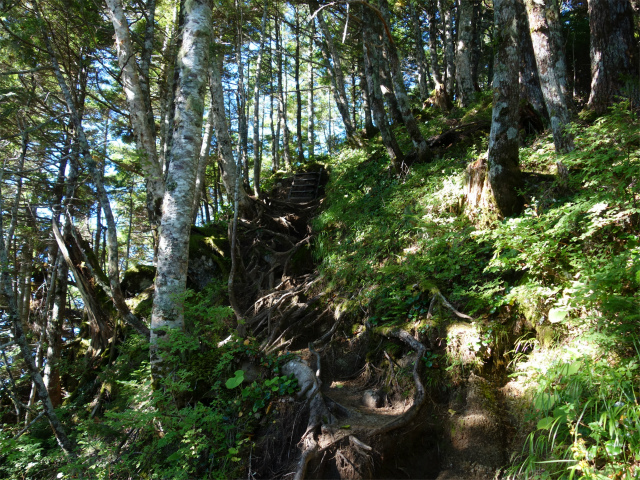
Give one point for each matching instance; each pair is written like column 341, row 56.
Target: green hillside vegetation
column 553, row 296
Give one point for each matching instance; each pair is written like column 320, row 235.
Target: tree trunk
column 334, row 67
column 440, row 97
column 448, row 42
column 551, row 68
column 298, row 93
column 173, row 247
column 311, row 137
column 241, row 102
column 614, row 52
column 257, row 156
column 372, row 67
column 529, row 80
column 203, row 160
column 219, row 117
column 143, row 130
column 504, row 177
column 420, row 57
column 419, row 143
column 386, row 84
column 464, row 75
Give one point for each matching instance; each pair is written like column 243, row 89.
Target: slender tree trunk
column 203, row 159
column 551, row 68
column 257, row 154
column 504, row 176
column 282, row 100
column 225, row 148
column 614, row 51
column 529, row 78
column 372, row 69
column 166, row 87
column 386, row 87
column 143, row 130
column 334, row 66
column 298, row 93
column 476, row 50
column 419, row 143
column 421, row 58
column 311, row 138
column 464, row 54
column 241, row 101
column 441, row 98
column 448, row 42
column 173, row 248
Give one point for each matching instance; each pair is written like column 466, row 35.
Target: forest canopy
column 318, row 239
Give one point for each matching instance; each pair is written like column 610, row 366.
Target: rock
column 372, row 398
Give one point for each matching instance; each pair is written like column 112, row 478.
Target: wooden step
column 305, row 186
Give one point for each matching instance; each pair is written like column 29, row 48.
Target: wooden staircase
column 304, row 187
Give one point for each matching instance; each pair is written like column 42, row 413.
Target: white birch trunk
column 177, row 205
column 143, row 130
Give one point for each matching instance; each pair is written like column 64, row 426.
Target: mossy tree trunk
column 177, row 205
column 504, row 177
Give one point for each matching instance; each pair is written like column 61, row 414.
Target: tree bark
column 219, row 117
column 334, row 66
column 257, row 157
column 464, row 75
column 372, row 68
column 441, row 98
column 504, row 175
column 421, row 58
column 173, row 246
column 311, row 137
column 419, row 143
column 143, row 130
column 530, row 89
column 551, row 68
column 448, row 42
column 614, row 52
column 298, row 93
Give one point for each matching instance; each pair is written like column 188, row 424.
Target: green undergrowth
column 565, row 274
column 198, row 422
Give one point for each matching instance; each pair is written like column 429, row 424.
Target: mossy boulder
column 137, row 279
column 208, row 255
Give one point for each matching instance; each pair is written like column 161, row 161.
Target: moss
column 211, row 242
column 137, row 279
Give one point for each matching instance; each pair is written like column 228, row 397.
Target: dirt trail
column 359, row 418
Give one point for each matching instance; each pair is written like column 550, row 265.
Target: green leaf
column 556, row 315
column 613, row 448
column 545, row 401
column 545, row 423
column 236, row 380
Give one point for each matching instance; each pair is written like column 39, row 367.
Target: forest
column 356, row 239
